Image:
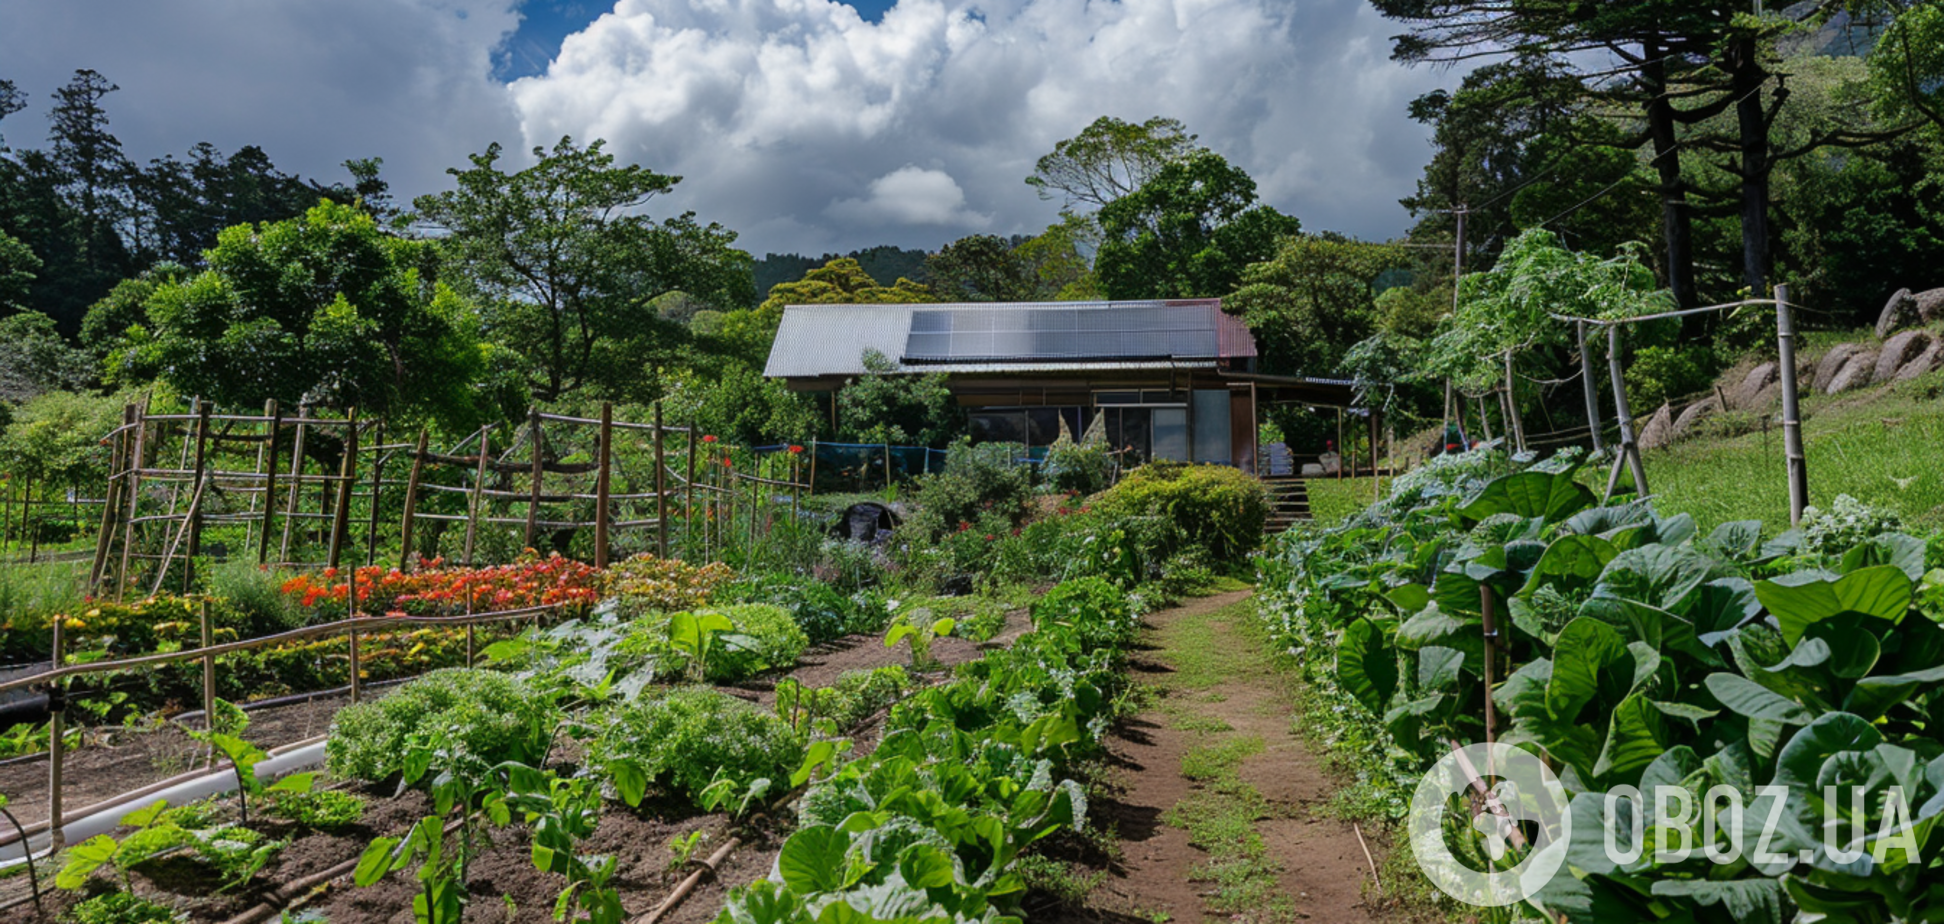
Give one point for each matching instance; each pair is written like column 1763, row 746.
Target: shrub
column 1077, row 468
column 766, row 638
column 480, row 717
column 646, row 583
column 1093, row 610
column 1217, row 509
column 255, row 598
column 818, row 608
column 1659, row 374
column 30, row 595
column 1846, row 524
column 858, row 694
column 684, row 738
column 977, row 480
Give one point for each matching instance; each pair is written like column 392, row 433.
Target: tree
column 982, row 268
column 1110, row 159
column 35, row 360
column 1187, row 232
column 182, row 206
column 1061, row 258
column 741, row 407
column 564, row 263
column 11, row 101
column 18, row 267
column 749, row 334
column 325, row 309
column 885, row 406
column 56, row 439
column 1312, row 301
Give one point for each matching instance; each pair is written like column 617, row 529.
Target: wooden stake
column 377, row 485
column 688, row 500
column 275, row 414
column 249, row 525
column 296, row 483
column 1491, row 645
column 411, row 501
column 476, row 507
column 117, row 480
column 357, row 684
column 56, row 744
column 195, row 507
column 661, row 486
column 209, row 668
column 1629, row 449
column 134, row 490
column 813, row 465
column 1592, row 394
column 539, row 472
column 1797, row 460
column 602, row 479
column 347, row 478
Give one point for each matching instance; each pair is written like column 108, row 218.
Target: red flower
column 728, row 462
column 795, row 449
column 708, row 439
column 988, row 537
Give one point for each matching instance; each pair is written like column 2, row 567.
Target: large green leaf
column 1874, row 696
column 1570, row 563
column 1801, row 760
column 1553, row 496
column 1720, row 607
column 1602, row 521
column 1735, row 540
column 1657, row 575
column 1804, row 597
column 1747, row 901
column 1853, row 649
column 1635, row 736
column 1587, row 650
column 812, row 860
column 1367, row 665
column 1905, row 553
column 1745, row 697
column 1439, row 667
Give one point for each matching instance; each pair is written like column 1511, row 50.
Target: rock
column 1659, row 431
column 1312, row 470
column 1854, row 374
column 1931, row 358
column 1898, row 313
column 1693, row 415
column 866, row 522
column 1930, row 304
column 1901, row 348
column 1745, row 394
column 1832, row 363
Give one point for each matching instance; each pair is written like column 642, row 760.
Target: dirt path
column 1218, row 799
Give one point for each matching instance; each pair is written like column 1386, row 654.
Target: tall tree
column 1187, row 232
column 982, row 268
column 1313, row 300
column 1109, row 159
column 565, row 263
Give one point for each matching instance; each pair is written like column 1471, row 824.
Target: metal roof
column 830, row 340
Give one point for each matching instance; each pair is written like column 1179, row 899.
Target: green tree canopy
column 883, row 406
column 1109, row 159
column 564, row 263
column 1188, row 232
column 325, row 309
column 982, row 268
column 56, row 439
column 1312, row 300
column 34, row 359
column 843, row 281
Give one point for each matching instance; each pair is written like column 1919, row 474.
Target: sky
column 804, row 125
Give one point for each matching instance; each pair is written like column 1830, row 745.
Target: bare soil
column 1323, row 869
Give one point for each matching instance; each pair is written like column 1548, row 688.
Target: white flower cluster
column 1846, row 524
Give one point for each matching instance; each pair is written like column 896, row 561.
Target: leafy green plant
column 122, row 908
column 227, row 722
column 563, row 813
column 441, row 884
column 1214, row 508
column 479, row 718
column 919, row 630
column 681, row 849
column 322, row 809
column 236, row 853
column 679, row 741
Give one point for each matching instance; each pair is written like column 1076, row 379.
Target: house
column 1166, row 379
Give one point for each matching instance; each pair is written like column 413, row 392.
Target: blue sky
column 802, row 125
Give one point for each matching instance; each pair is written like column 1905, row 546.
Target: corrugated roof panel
column 831, row 339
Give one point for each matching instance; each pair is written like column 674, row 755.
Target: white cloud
column 797, row 123
column 910, row 195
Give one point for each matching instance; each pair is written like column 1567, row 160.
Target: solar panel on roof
column 1129, row 332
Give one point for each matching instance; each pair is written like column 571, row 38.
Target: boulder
column 1931, row 358
column 1930, row 304
column 1745, row 394
column 1312, row 470
column 1902, row 347
column 1855, row 373
column 1693, row 415
column 1659, row 431
column 1832, row 363
column 865, row 522
column 1898, row 313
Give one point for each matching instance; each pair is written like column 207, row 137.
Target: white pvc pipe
column 78, row 829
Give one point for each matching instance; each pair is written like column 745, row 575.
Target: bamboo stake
column 269, row 478
column 134, row 489
column 411, row 501
column 168, row 555
column 378, row 458
column 476, row 507
column 1797, row 461
column 602, row 478
column 195, row 522
column 117, row 481
column 661, row 485
column 1629, row 449
column 249, row 525
column 56, row 745
column 688, row 501
column 208, row 669
column 1590, row 390
column 27, row 517
column 1491, row 645
column 296, row 483
column 347, row 480
column 539, row 460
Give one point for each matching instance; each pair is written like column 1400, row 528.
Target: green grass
column 1879, row 445
column 1332, row 500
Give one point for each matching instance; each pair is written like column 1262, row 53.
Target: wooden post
column 250, row 524
column 411, row 501
column 27, row 516
column 1629, row 450
column 1592, row 395
column 296, row 483
column 539, row 473
column 813, row 465
column 887, row 466
column 275, row 413
column 661, row 485
column 209, row 668
column 1792, row 451
column 1484, row 422
column 133, row 488
column 347, row 478
column 357, row 685
column 1491, row 645
column 688, row 500
column 117, row 480
column 377, row 485
column 56, row 744
column 1339, row 444
column 1376, row 479
column 602, row 479
column 476, row 508
column 195, row 510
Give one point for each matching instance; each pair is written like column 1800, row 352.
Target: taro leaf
column 1439, row 667
column 1657, row 575
column 1735, row 540
column 1873, row 696
column 1746, row 901
column 925, row 866
column 1587, row 651
column 1635, row 736
column 1853, row 648
column 1457, row 592
column 1409, row 598
column 1787, row 543
column 1592, row 900
column 1831, row 733
column 1812, row 652
column 812, row 860
column 1906, row 553
column 1823, row 903
column 1669, row 769
column 1434, row 626
column 1758, row 647
column 1587, row 850
column 1552, row 495
column 1367, row 665
column 1804, row 597
column 1920, row 645
column 1747, row 698
column 1570, row 563
column 1720, row 607
column 1524, row 692
column 1688, row 711
column 1417, row 708
column 1598, row 521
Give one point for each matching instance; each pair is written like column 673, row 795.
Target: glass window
column 1171, row 433
column 1212, row 426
